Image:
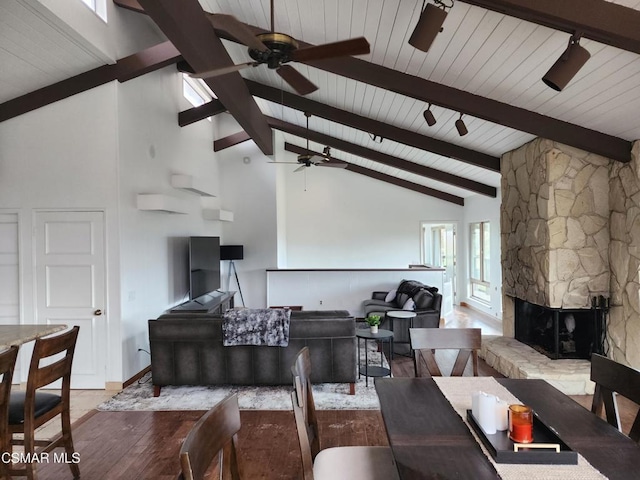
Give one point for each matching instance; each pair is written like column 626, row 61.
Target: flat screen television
column 204, row 265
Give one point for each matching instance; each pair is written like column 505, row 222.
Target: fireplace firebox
column 562, row 333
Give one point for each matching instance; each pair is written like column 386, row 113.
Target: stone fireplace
column 570, row 228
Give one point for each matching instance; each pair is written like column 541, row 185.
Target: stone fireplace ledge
column 517, row 360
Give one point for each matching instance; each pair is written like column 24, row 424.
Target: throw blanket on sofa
column 269, row 326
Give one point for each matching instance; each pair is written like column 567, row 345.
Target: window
column 480, row 261
column 196, row 91
column 98, row 6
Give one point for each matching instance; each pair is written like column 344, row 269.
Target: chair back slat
column 301, row 372
column 45, row 347
column 303, row 437
column 208, row 438
column 424, row 342
column 612, row 377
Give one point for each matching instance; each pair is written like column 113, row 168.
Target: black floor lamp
column 231, row 253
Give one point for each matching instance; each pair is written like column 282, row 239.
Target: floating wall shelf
column 191, row 184
column 221, row 215
column 161, row 203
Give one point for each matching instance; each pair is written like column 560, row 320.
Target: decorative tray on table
column 547, row 447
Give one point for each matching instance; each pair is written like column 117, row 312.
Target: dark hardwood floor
column 145, row 445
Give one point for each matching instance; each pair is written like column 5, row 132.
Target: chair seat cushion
column 355, row 463
column 44, row 403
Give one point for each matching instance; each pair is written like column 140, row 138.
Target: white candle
column 487, row 408
column 475, row 405
column 502, row 415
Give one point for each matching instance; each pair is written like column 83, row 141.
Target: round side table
column 373, row 370
column 402, row 315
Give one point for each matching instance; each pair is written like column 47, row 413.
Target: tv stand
column 212, row 302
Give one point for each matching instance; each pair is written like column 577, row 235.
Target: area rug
column 327, row 396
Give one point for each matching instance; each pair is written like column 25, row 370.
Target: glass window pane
column 486, row 249
column 475, row 251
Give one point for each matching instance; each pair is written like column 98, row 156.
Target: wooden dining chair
column 216, row 431
column 7, row 366
column 612, row 379
column 32, row 408
column 426, row 341
column 335, row 463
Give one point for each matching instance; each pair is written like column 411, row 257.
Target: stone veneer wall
column 624, row 254
column 554, row 227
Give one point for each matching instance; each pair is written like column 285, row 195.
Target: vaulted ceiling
column 485, row 64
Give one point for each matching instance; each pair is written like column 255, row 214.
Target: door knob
column 98, row 312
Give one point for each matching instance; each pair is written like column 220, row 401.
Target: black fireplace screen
column 562, row 333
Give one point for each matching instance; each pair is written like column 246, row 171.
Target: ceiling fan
column 307, row 160
column 277, row 49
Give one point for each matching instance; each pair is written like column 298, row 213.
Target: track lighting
column 428, row 116
column 376, row 138
column 429, row 25
column 461, row 127
column 566, row 67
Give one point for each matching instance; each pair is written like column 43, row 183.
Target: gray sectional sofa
column 187, row 349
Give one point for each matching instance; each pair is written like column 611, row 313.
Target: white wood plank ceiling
column 479, row 51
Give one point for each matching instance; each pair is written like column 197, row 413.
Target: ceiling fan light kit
column 429, row 25
column 276, row 49
column 567, row 66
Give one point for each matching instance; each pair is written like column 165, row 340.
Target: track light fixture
column 461, row 127
column 429, row 25
column 566, row 67
column 376, row 138
column 428, row 116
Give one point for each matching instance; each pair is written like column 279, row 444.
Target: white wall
column 249, row 191
column 154, row 249
column 480, row 208
column 344, row 219
column 63, row 156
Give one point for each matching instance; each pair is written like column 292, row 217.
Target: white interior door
column 70, row 286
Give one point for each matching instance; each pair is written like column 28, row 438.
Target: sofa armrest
column 379, row 295
column 427, row 319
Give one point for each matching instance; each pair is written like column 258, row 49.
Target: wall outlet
column 320, row 302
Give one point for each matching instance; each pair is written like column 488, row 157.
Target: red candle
column 520, row 423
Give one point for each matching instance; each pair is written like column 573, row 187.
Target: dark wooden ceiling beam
column 376, row 127
column 185, row 24
column 230, row 141
column 127, row 68
column 416, row 187
column 468, row 103
column 384, row 158
column 598, row 20
column 209, row 109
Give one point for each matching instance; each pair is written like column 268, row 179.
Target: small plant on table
column 374, row 322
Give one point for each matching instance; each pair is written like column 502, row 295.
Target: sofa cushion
column 375, row 302
column 423, row 299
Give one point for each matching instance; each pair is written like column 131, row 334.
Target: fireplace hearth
column 562, row 333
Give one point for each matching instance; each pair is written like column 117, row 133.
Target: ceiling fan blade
column 334, row 164
column 297, row 81
column 285, row 163
column 224, row 70
column 237, row 29
column 353, row 46
column 300, row 168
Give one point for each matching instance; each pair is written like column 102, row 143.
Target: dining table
column 431, row 439
column 18, row 334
